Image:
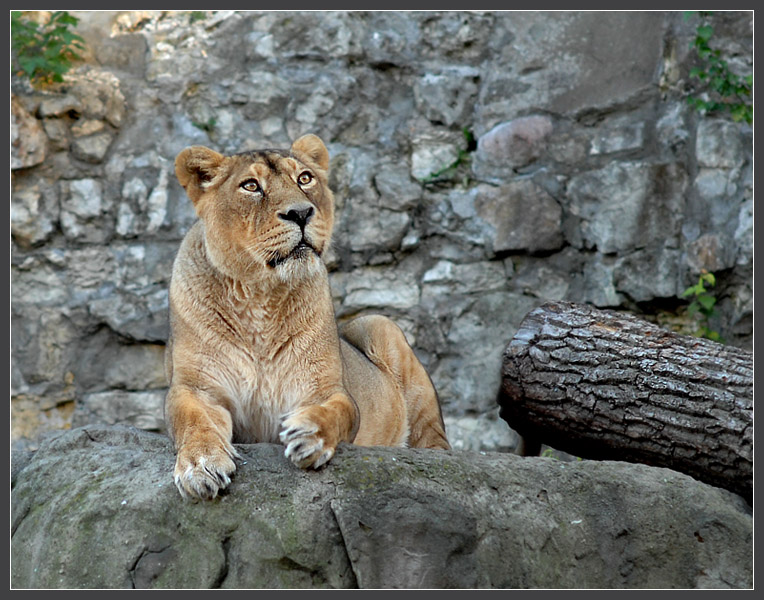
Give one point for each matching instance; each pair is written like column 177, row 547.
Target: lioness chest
column 260, row 355
column 261, row 390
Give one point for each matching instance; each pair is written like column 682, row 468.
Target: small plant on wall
column 701, row 307
column 720, row 90
column 44, row 52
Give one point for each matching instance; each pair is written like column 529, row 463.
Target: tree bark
column 604, row 385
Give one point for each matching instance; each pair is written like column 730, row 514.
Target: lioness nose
column 298, row 214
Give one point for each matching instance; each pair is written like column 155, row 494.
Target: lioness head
column 265, row 212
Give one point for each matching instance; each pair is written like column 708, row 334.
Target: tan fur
column 255, row 354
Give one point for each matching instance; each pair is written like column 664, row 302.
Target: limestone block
column 92, row 148
column 376, row 288
column 82, row 204
column 628, row 205
column 648, row 274
column 522, row 215
column 28, row 139
column 721, row 144
column 447, row 95
column 144, row 410
column 34, row 211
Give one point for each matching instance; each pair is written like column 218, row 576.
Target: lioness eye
column 305, row 178
column 251, row 185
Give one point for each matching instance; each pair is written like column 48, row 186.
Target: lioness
column 255, row 354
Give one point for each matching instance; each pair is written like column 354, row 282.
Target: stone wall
column 579, row 172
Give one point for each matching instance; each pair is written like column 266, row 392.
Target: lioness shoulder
column 255, row 354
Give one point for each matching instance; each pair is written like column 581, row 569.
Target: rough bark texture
column 96, row 508
column 605, row 385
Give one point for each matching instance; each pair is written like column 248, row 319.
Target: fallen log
column 605, row 385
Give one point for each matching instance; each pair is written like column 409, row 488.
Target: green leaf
column 706, row 301
column 697, row 72
column 30, row 65
column 66, row 18
column 45, row 52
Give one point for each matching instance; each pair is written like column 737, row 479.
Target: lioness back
column 255, row 354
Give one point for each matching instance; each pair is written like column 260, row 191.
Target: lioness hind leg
column 385, row 345
column 202, row 436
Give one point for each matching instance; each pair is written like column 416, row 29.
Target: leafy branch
column 726, row 91
column 44, row 53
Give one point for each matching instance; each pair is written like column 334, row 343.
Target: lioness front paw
column 306, row 445
column 200, row 473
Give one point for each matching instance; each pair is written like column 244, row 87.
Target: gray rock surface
column 29, row 142
column 586, row 177
column 96, row 507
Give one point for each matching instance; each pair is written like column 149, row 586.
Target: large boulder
column 96, row 507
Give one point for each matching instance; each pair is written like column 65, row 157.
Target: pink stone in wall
column 515, row 143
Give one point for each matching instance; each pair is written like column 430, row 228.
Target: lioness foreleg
column 202, row 433
column 311, row 432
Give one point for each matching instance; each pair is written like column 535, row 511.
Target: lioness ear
column 310, row 149
column 196, row 166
